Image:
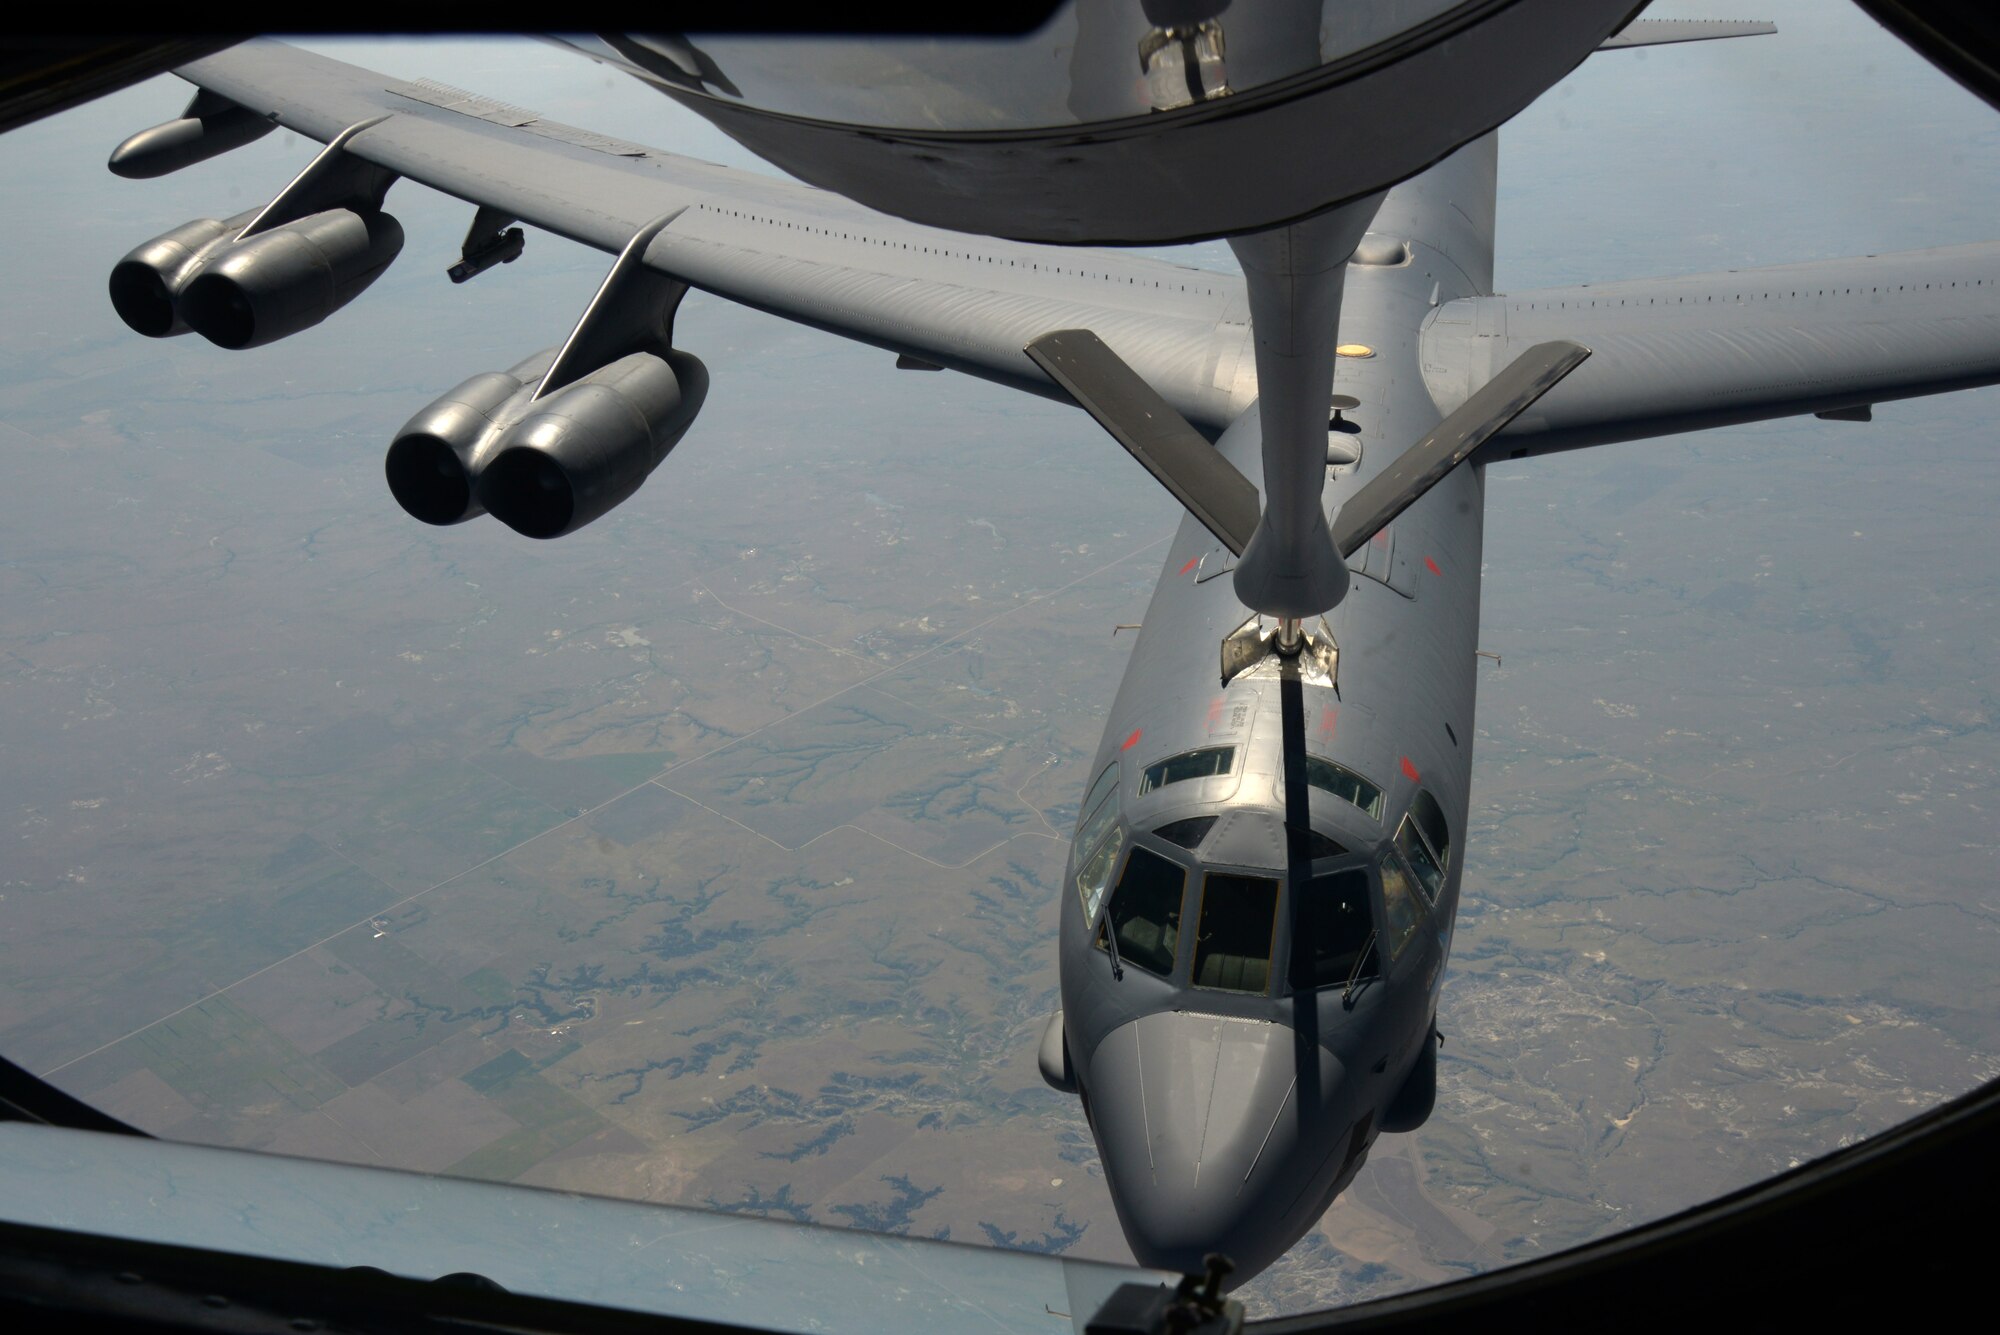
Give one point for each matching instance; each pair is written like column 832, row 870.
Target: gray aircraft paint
column 970, row 303
column 1407, row 633
column 1170, row 1090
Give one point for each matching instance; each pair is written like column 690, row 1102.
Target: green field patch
column 506, row 1158
column 367, row 1052
column 546, row 1062
column 431, row 820
column 413, row 792
column 316, row 894
column 489, row 817
column 271, row 908
column 217, row 1054
column 331, row 748
column 399, row 855
column 499, row 1071
column 550, row 1119
column 491, row 987
column 302, row 852
column 401, row 972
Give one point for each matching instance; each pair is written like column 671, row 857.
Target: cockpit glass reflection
column 1401, row 903
column 1187, row 833
column 1096, row 872
column 1099, row 839
column 1105, row 789
column 1429, row 816
column 1146, row 912
column 1204, row 763
column 1332, row 928
column 1232, row 945
column 1344, row 784
column 1411, row 845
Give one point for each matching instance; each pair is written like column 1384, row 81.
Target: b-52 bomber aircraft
column 1260, row 895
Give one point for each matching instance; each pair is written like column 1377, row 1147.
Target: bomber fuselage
column 1251, row 950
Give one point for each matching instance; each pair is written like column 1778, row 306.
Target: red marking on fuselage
column 1409, row 770
column 1133, row 741
column 1329, row 719
column 1432, row 566
column 1382, row 539
column 1193, row 561
column 1215, row 710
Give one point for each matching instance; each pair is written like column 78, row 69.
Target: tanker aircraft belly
column 1262, row 887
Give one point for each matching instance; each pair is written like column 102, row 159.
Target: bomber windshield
column 1205, row 763
column 1344, row 784
column 1146, row 912
column 1232, row 947
column 1332, row 930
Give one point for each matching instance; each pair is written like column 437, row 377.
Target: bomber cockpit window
column 1411, row 845
column 1187, row 833
column 1145, row 912
column 1097, row 840
column 1232, row 944
column 1345, row 784
column 1104, row 789
column 1320, row 846
column 1402, row 903
column 1205, row 763
column 1424, row 840
column 1332, row 930
column 1424, row 809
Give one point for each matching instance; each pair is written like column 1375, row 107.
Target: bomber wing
column 937, row 298
column 1681, row 354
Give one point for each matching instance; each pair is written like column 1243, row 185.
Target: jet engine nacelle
column 435, row 461
column 290, row 278
column 243, row 294
column 146, row 285
column 582, row 450
column 548, row 466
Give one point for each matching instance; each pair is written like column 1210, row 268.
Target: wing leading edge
column 965, row 303
column 1684, row 354
column 1671, row 355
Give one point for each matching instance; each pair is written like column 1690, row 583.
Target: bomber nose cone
column 1218, row 1134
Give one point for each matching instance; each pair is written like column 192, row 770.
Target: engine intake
column 290, row 278
column 582, row 450
column 146, row 285
column 435, row 460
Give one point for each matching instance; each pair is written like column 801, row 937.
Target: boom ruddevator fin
column 1661, row 32
column 1223, row 499
column 1147, row 426
column 1425, row 464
